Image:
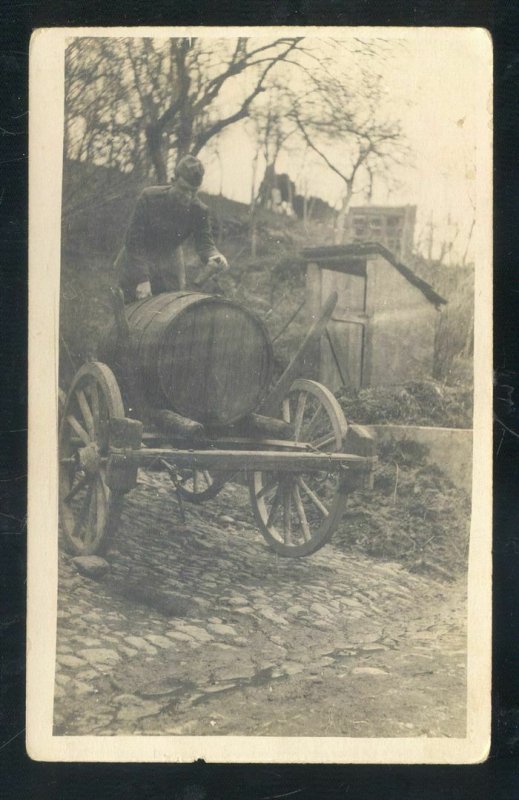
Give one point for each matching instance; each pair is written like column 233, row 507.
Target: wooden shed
column 384, row 325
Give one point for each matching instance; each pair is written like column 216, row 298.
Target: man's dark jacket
column 162, row 220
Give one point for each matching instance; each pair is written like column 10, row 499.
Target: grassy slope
column 272, row 283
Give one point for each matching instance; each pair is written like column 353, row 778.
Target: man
column 151, row 260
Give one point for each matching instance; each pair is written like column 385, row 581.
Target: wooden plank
column 225, row 460
column 341, row 351
column 258, row 443
column 310, row 367
column 222, row 442
column 344, row 363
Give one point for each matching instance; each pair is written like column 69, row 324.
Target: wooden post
column 313, row 298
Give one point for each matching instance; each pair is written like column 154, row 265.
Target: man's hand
column 214, row 266
column 143, row 290
column 218, row 262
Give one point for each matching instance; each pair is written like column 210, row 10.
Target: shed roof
column 357, row 250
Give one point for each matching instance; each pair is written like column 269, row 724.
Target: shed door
column 342, row 347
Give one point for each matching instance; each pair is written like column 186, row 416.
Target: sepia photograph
column 260, row 350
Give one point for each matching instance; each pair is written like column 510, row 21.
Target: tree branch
column 243, row 111
column 313, row 147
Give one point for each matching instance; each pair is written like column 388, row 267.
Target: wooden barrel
column 202, row 356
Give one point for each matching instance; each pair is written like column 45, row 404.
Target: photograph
column 260, row 355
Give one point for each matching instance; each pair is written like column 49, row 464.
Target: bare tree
column 445, row 242
column 134, row 98
column 271, row 127
column 269, row 131
column 346, row 129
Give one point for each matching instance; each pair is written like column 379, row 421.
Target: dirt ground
column 200, row 629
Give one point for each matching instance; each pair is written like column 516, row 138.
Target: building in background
column 392, row 226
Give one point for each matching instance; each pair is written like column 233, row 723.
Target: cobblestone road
column 199, row 628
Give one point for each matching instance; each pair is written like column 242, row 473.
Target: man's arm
column 203, row 235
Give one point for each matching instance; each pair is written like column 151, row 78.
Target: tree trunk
column 253, row 237
column 154, row 142
column 253, row 228
column 267, row 185
column 305, row 213
column 467, row 246
column 341, row 216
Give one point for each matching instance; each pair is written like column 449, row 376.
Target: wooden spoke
column 106, row 491
column 81, row 432
column 87, row 414
column 274, row 507
column 208, row 478
column 286, row 410
column 315, row 416
column 196, row 481
column 313, row 497
column 267, row 488
column 312, row 507
column 300, row 412
column 324, row 440
column 85, row 508
column 301, row 514
column 287, row 509
column 77, row 488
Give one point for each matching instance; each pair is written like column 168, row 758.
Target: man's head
column 191, row 170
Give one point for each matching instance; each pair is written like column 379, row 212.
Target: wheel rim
column 85, row 499
column 297, row 512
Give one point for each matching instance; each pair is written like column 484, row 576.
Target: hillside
column 271, row 282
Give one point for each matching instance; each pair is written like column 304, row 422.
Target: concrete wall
column 450, row 449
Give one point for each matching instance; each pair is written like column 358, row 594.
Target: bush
column 415, row 515
column 413, row 403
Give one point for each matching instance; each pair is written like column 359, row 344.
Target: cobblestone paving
column 199, row 628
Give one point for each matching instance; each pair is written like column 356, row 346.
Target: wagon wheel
column 89, row 511
column 297, row 512
column 198, row 485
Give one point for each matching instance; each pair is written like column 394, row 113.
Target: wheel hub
column 89, row 458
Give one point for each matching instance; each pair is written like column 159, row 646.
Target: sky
column 437, row 83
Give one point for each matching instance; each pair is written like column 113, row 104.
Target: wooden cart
column 298, row 480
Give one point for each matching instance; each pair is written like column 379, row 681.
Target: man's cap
column 191, row 170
